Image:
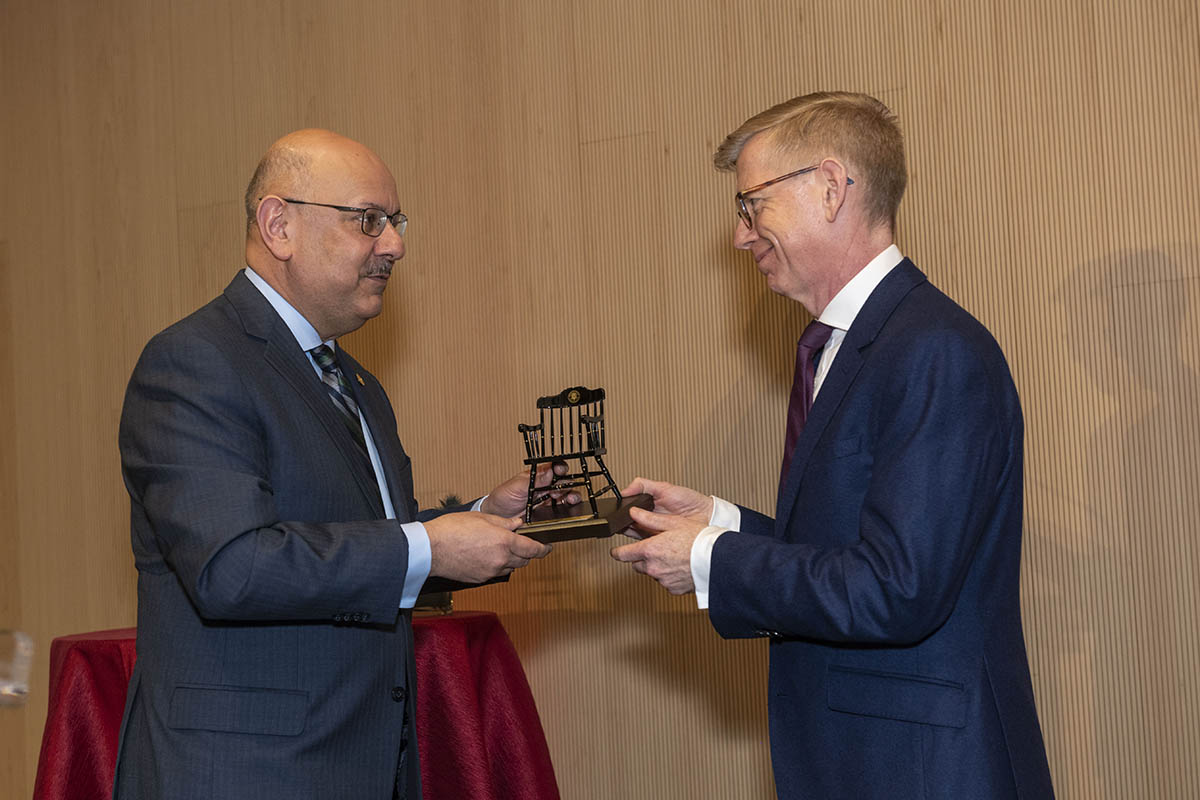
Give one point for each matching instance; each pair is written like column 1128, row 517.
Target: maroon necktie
column 813, row 339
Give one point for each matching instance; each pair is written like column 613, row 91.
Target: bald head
column 306, row 233
column 296, row 161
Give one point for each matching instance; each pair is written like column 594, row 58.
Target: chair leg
column 529, row 496
column 587, row 482
column 608, row 477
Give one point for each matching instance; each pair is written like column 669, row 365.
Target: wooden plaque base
column 564, row 523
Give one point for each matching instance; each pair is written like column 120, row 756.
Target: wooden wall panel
column 12, row 720
column 567, row 227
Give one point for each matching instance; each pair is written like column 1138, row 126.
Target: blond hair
column 856, row 128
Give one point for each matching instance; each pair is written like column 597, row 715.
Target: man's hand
column 666, row 553
column 474, row 547
column 508, row 499
column 670, row 499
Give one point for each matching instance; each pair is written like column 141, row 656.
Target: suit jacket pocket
column 238, row 709
column 847, row 447
column 908, row 698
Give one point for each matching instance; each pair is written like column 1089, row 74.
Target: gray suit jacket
column 273, row 659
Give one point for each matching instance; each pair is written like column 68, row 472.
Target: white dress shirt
column 840, row 315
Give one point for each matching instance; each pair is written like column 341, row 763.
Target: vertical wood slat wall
column 567, row 228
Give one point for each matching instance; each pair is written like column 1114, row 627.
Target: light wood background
column 567, row 228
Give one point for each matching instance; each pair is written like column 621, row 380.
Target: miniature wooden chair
column 570, row 427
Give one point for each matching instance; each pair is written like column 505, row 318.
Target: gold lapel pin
column 361, row 382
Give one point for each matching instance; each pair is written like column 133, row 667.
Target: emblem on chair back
column 570, row 428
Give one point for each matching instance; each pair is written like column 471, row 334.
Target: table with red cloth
column 477, row 726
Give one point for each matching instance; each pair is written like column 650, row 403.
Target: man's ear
column 834, row 179
column 272, row 220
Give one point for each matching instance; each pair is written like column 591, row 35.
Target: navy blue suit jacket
column 273, row 658
column 888, row 579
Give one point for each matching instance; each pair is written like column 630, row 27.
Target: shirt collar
column 846, row 304
column 306, row 335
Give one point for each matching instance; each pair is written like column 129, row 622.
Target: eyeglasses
column 744, row 210
column 373, row 220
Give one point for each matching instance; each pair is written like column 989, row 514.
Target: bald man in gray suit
column 277, row 541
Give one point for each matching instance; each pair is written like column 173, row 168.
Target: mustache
column 378, row 266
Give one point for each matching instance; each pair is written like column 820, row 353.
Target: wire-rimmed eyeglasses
column 373, row 220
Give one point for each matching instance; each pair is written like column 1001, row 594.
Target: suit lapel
column 846, row 366
column 833, row 390
column 373, row 404
column 284, row 355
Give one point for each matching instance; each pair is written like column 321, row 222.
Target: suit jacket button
column 337, row 617
column 398, row 694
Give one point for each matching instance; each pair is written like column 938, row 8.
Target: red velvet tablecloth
column 478, row 728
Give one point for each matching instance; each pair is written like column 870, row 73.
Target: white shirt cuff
column 725, row 515
column 701, row 562
column 420, row 560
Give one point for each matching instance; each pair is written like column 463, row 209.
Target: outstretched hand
column 668, row 499
column 678, row 500
column 666, row 553
column 473, row 547
column 508, row 499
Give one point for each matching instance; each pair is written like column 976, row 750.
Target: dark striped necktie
column 339, row 391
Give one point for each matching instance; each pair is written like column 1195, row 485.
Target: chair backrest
column 570, row 423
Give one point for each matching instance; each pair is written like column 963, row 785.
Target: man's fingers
column 636, row 486
column 508, row 523
column 526, row 548
column 628, row 552
column 640, row 485
column 632, row 532
column 544, row 476
column 547, row 473
column 650, row 521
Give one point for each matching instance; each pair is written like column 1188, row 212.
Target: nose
column 390, row 243
column 743, row 235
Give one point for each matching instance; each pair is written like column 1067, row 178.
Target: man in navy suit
column 887, row 581
column 278, row 545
